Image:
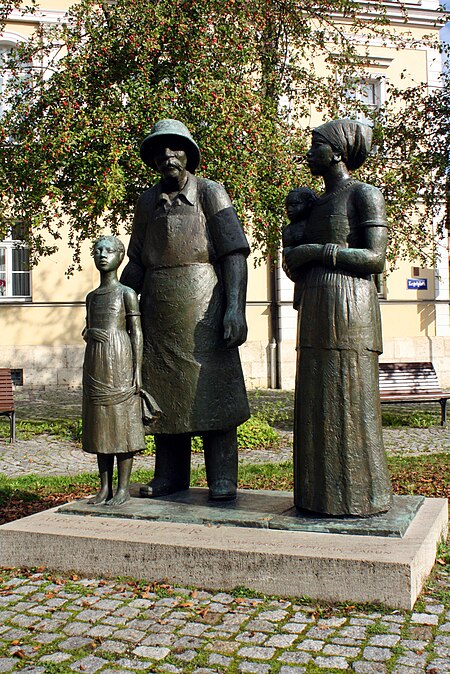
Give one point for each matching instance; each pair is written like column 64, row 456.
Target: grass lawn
column 426, row 475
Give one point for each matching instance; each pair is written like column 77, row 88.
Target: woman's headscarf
column 351, row 139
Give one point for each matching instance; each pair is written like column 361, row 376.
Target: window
column 15, row 275
column 5, row 74
column 371, row 93
column 17, row 377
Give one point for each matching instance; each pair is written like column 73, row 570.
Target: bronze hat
column 170, row 128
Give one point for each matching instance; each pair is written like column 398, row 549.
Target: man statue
column 187, row 259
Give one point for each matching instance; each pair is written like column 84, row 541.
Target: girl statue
column 339, row 461
column 112, row 410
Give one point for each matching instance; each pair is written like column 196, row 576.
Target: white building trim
column 40, row 16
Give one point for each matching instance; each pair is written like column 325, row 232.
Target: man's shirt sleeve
column 223, row 224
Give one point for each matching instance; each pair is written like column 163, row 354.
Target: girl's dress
column 112, row 412
column 339, row 461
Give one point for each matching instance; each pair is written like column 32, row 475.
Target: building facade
column 42, row 311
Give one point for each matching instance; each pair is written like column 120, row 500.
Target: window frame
column 8, row 245
column 378, row 82
column 8, row 41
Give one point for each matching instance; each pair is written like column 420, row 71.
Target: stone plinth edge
column 330, row 567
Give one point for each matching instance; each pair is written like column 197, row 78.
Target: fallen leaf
column 194, row 594
column 19, row 654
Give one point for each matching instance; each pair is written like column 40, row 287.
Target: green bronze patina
column 339, row 461
column 112, row 411
column 255, row 509
column 187, row 260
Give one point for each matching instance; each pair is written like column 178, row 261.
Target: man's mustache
column 171, row 163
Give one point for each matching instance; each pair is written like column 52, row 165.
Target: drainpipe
column 274, row 350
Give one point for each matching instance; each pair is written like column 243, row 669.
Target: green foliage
column 255, row 433
column 97, row 82
column 417, row 418
column 275, row 407
column 63, row 429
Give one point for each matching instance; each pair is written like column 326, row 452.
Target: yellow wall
column 49, row 325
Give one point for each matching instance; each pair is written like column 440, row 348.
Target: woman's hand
column 294, row 258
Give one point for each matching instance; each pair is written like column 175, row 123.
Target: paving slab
column 332, row 567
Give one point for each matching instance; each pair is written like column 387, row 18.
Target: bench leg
column 443, row 403
column 12, row 427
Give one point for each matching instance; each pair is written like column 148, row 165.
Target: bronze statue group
column 175, row 351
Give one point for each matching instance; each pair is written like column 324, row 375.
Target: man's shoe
column 222, row 490
column 161, row 488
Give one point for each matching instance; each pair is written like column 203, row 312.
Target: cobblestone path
column 52, row 625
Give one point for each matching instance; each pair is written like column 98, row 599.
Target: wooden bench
column 412, row 382
column 7, row 401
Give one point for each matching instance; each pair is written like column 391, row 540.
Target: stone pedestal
column 357, row 567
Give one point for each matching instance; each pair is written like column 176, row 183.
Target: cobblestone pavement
column 52, row 625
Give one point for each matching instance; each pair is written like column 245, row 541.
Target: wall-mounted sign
column 417, row 284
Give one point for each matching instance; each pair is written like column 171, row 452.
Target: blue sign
column 417, row 284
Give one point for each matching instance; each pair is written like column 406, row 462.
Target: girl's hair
column 115, row 241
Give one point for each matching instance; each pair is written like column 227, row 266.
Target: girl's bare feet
column 102, row 497
column 121, row 496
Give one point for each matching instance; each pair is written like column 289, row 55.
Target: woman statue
column 339, row 461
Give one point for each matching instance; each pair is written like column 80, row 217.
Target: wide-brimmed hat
column 177, row 131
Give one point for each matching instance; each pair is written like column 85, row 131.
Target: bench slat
column 7, row 400
column 414, row 382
